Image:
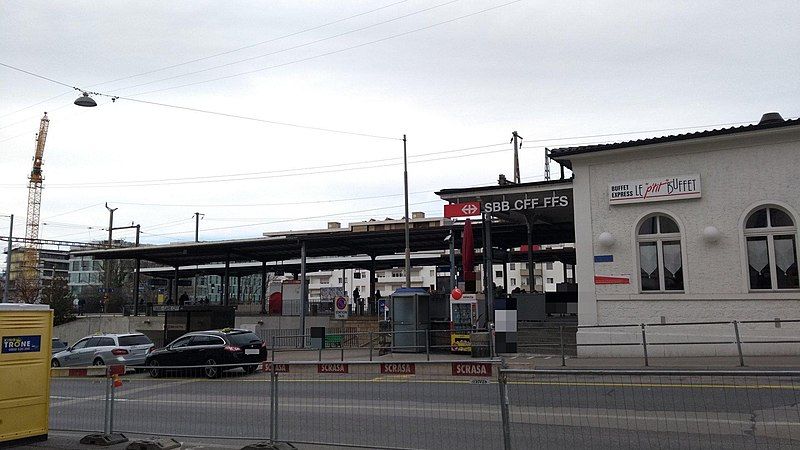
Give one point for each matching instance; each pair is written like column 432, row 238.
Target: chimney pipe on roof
column 770, row 117
column 334, row 225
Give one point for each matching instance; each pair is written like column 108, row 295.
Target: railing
column 639, row 337
column 379, row 343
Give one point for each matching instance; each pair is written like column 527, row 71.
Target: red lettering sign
column 279, row 368
column 462, row 209
column 472, row 369
column 398, row 368
column 333, row 368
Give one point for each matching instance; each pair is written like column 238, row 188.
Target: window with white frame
column 660, row 262
column 770, row 235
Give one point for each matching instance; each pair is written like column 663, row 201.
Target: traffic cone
column 117, row 381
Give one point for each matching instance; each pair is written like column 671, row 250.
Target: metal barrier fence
column 378, row 343
column 453, row 404
column 739, row 338
column 571, row 408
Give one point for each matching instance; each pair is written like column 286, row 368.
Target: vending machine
column 464, row 316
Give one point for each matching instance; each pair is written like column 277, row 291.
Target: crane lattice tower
column 31, row 257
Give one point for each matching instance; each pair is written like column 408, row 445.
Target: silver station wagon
column 105, row 349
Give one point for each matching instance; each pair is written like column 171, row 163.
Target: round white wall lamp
column 711, row 234
column 606, row 239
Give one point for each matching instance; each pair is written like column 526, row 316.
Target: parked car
column 105, row 349
column 58, row 345
column 209, row 349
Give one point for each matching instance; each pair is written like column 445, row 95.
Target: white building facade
column 698, row 227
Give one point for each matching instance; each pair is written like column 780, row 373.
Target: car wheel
column 250, row 369
column 155, row 372
column 210, row 370
column 98, row 362
column 54, row 363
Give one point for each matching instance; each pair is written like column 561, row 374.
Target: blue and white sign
column 22, row 344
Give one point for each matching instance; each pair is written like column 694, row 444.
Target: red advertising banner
column 472, row 369
column 333, row 368
column 398, row 368
column 467, row 209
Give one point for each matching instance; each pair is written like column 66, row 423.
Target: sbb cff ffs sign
column 466, row 209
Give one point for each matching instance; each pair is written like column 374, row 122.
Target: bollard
column 738, row 342
column 371, row 344
column 561, row 344
column 644, row 347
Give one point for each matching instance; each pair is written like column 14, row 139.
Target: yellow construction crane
column 30, row 270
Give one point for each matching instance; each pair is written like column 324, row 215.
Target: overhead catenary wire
column 171, row 66
column 295, row 47
column 329, row 53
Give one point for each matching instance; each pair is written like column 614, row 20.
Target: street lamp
column 85, row 100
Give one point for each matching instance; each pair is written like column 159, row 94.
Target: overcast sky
column 449, row 74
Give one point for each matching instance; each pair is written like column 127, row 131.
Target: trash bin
column 25, row 348
column 480, row 345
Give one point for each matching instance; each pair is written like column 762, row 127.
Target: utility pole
column 197, row 217
column 547, row 164
column 107, row 263
column 8, row 260
column 408, row 240
column 515, row 138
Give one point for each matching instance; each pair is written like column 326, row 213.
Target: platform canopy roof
column 279, row 250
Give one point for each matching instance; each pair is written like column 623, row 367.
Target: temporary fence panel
column 78, row 398
column 184, row 401
column 391, row 405
column 655, row 409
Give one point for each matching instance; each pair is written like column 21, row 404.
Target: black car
column 209, row 349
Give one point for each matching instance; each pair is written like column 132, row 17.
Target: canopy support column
column 226, row 282
column 452, row 260
column 531, row 279
column 136, row 287
column 175, row 294
column 263, row 287
column 487, row 266
column 303, row 290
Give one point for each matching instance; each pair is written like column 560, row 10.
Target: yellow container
column 25, row 350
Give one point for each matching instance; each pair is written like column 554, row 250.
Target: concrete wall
column 738, row 174
column 153, row 327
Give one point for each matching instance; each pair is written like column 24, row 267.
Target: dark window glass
column 758, row 219
column 673, row 266
column 206, row 340
column 134, row 340
column 648, row 261
column 786, row 262
column 182, row 342
column 105, row 342
column 93, row 342
column 243, row 338
column 81, row 344
column 648, row 226
column 668, row 225
column 758, row 263
column 778, row 218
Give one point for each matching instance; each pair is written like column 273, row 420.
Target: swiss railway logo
column 470, row 209
column 472, row 369
column 462, row 209
column 332, row 368
column 398, row 368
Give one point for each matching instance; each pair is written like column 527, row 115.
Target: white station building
column 698, row 227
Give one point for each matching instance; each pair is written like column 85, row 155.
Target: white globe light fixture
column 606, row 239
column 711, row 234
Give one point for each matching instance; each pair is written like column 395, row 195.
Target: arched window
column 660, row 261
column 770, row 234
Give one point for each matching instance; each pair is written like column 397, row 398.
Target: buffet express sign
column 654, row 190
